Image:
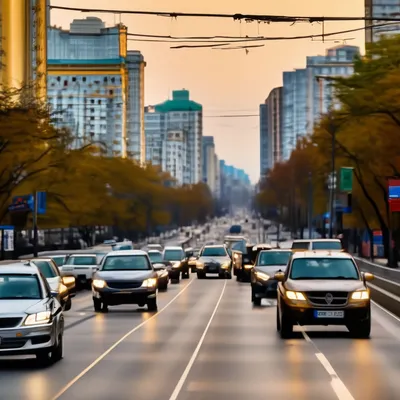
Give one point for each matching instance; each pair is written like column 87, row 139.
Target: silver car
column 125, row 277
column 31, row 318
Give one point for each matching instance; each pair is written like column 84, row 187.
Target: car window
column 155, row 257
column 82, row 260
column 14, row 287
column 323, row 268
column 46, row 268
column 122, row 247
column 326, row 245
column 126, row 263
column 59, row 260
column 174, row 255
column 240, row 246
column 271, row 257
column 300, row 245
column 214, row 252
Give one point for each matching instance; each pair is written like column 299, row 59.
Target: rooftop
column 180, row 102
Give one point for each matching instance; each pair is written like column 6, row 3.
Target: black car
column 173, row 259
column 156, row 259
column 268, row 263
column 125, row 277
column 214, row 260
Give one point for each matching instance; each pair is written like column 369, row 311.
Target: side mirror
column 279, row 276
column 368, row 277
column 53, row 293
column 68, row 280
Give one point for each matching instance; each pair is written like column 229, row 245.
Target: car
column 64, row 286
column 125, row 277
column 82, row 267
column 249, row 256
column 158, row 265
column 185, row 263
column 155, row 247
column 236, row 245
column 323, row 288
column 126, row 245
column 172, row 258
column 317, row 244
column 31, row 317
column 59, row 259
column 193, row 259
column 268, row 262
column 214, row 259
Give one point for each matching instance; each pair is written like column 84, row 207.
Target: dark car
column 323, row 288
column 193, row 259
column 268, row 263
column 156, row 259
column 214, row 260
column 236, row 245
column 125, row 277
column 173, row 257
column 186, row 267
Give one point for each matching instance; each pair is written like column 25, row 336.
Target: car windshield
column 174, row 255
column 82, row 260
column 327, row 245
column 237, row 245
column 59, row 260
column 46, row 269
column 323, row 268
column 214, row 252
column 15, row 287
column 126, row 263
column 300, row 245
column 156, row 257
column 271, row 257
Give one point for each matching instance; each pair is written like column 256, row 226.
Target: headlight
column 67, row 280
column 149, row 283
column 262, row 276
column 360, row 295
column 99, row 283
column 164, row 273
column 235, row 256
column 176, row 265
column 38, row 319
column 226, row 265
column 199, row 265
column 248, row 266
column 295, row 295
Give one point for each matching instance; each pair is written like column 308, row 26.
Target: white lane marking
column 386, row 311
column 337, row 384
column 189, row 366
column 110, row 349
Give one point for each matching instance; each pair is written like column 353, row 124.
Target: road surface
column 207, row 342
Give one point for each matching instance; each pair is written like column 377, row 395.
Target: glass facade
column 263, row 139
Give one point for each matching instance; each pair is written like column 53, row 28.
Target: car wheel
column 286, row 327
column 257, row 301
column 68, row 304
column 97, row 304
column 58, row 352
column 175, row 280
column 152, row 305
column 278, row 322
column 200, row 275
column 362, row 330
column 228, row 275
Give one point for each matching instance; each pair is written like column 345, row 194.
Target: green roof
column 180, row 102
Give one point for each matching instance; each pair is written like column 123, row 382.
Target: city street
column 207, row 342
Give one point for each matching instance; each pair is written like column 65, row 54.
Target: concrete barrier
column 392, row 274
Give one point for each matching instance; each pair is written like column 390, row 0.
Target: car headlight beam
column 149, row 283
column 262, row 276
column 225, row 266
column 39, row 318
column 99, row 283
column 295, row 295
column 176, row 265
column 360, row 295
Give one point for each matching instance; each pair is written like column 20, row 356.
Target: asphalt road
column 207, row 342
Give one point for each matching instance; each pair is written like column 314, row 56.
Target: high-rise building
column 381, row 9
column 178, row 114
column 24, row 45
column 217, row 177
column 308, row 93
column 174, row 154
column 95, row 88
column 275, row 123
column 263, row 139
column 208, row 162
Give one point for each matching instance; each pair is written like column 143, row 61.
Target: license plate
column 328, row 314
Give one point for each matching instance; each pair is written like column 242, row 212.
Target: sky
column 224, row 82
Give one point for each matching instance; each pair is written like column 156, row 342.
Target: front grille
column 123, row 284
column 12, row 343
column 10, row 322
column 328, row 299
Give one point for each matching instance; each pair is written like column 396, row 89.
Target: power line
column 236, row 17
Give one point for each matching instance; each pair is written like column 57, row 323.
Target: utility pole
column 35, row 227
column 332, row 131
column 310, row 205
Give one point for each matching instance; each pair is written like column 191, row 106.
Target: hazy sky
column 225, row 82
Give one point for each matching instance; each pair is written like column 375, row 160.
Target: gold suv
column 323, row 288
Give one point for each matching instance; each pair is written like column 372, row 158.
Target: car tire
column 164, row 287
column 152, row 305
column 362, row 330
column 51, row 355
column 200, row 275
column 68, row 304
column 58, row 352
column 228, row 275
column 278, row 322
column 286, row 327
column 257, row 301
column 97, row 304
